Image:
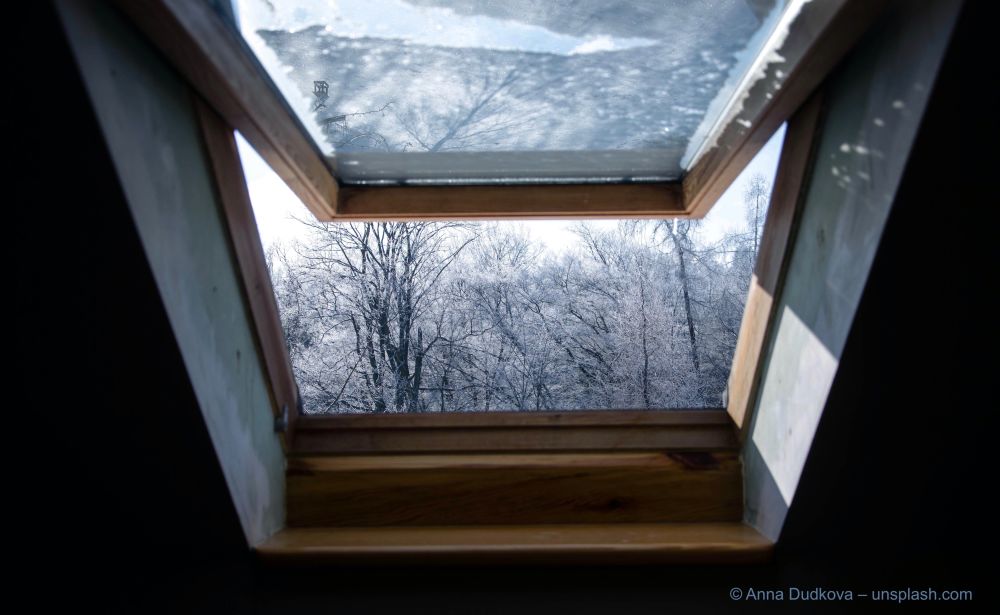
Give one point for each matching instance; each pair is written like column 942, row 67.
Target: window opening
column 402, row 317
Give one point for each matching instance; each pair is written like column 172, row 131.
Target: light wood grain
column 574, row 418
column 821, row 35
column 503, row 461
column 231, row 187
column 603, row 544
column 779, row 229
column 654, row 200
column 219, row 65
column 707, row 430
column 513, row 489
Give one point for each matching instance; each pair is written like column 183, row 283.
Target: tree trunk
column 645, row 347
column 685, row 291
column 418, row 365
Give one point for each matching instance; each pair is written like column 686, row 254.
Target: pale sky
column 276, row 207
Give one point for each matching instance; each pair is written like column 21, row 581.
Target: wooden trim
column 818, row 38
column 218, row 64
column 574, row 418
column 790, row 183
column 578, row 544
column 654, row 200
column 220, row 144
column 308, row 466
column 514, row 488
column 693, row 430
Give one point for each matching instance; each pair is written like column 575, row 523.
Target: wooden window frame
column 651, row 469
column 196, row 38
column 231, row 94
column 586, row 452
column 503, row 431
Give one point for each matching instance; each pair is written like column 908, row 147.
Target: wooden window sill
column 573, row 544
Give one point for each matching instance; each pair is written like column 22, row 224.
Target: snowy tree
column 444, row 316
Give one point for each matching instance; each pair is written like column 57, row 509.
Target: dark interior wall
column 902, row 471
column 123, row 506
column 119, row 473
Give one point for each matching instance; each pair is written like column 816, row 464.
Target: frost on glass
column 386, row 317
column 592, row 88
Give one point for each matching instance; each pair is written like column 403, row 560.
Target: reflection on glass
column 591, row 88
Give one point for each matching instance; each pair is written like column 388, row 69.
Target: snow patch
column 728, row 104
column 422, row 25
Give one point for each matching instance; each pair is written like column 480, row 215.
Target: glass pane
column 507, row 90
column 541, row 315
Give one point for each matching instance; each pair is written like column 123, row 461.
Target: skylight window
column 476, row 91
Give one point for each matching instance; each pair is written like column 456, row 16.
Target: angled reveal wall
column 874, row 104
column 146, row 114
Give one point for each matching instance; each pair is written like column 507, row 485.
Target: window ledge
column 632, row 543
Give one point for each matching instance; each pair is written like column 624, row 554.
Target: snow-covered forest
column 445, row 316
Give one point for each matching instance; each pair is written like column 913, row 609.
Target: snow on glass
column 511, row 90
column 553, row 315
